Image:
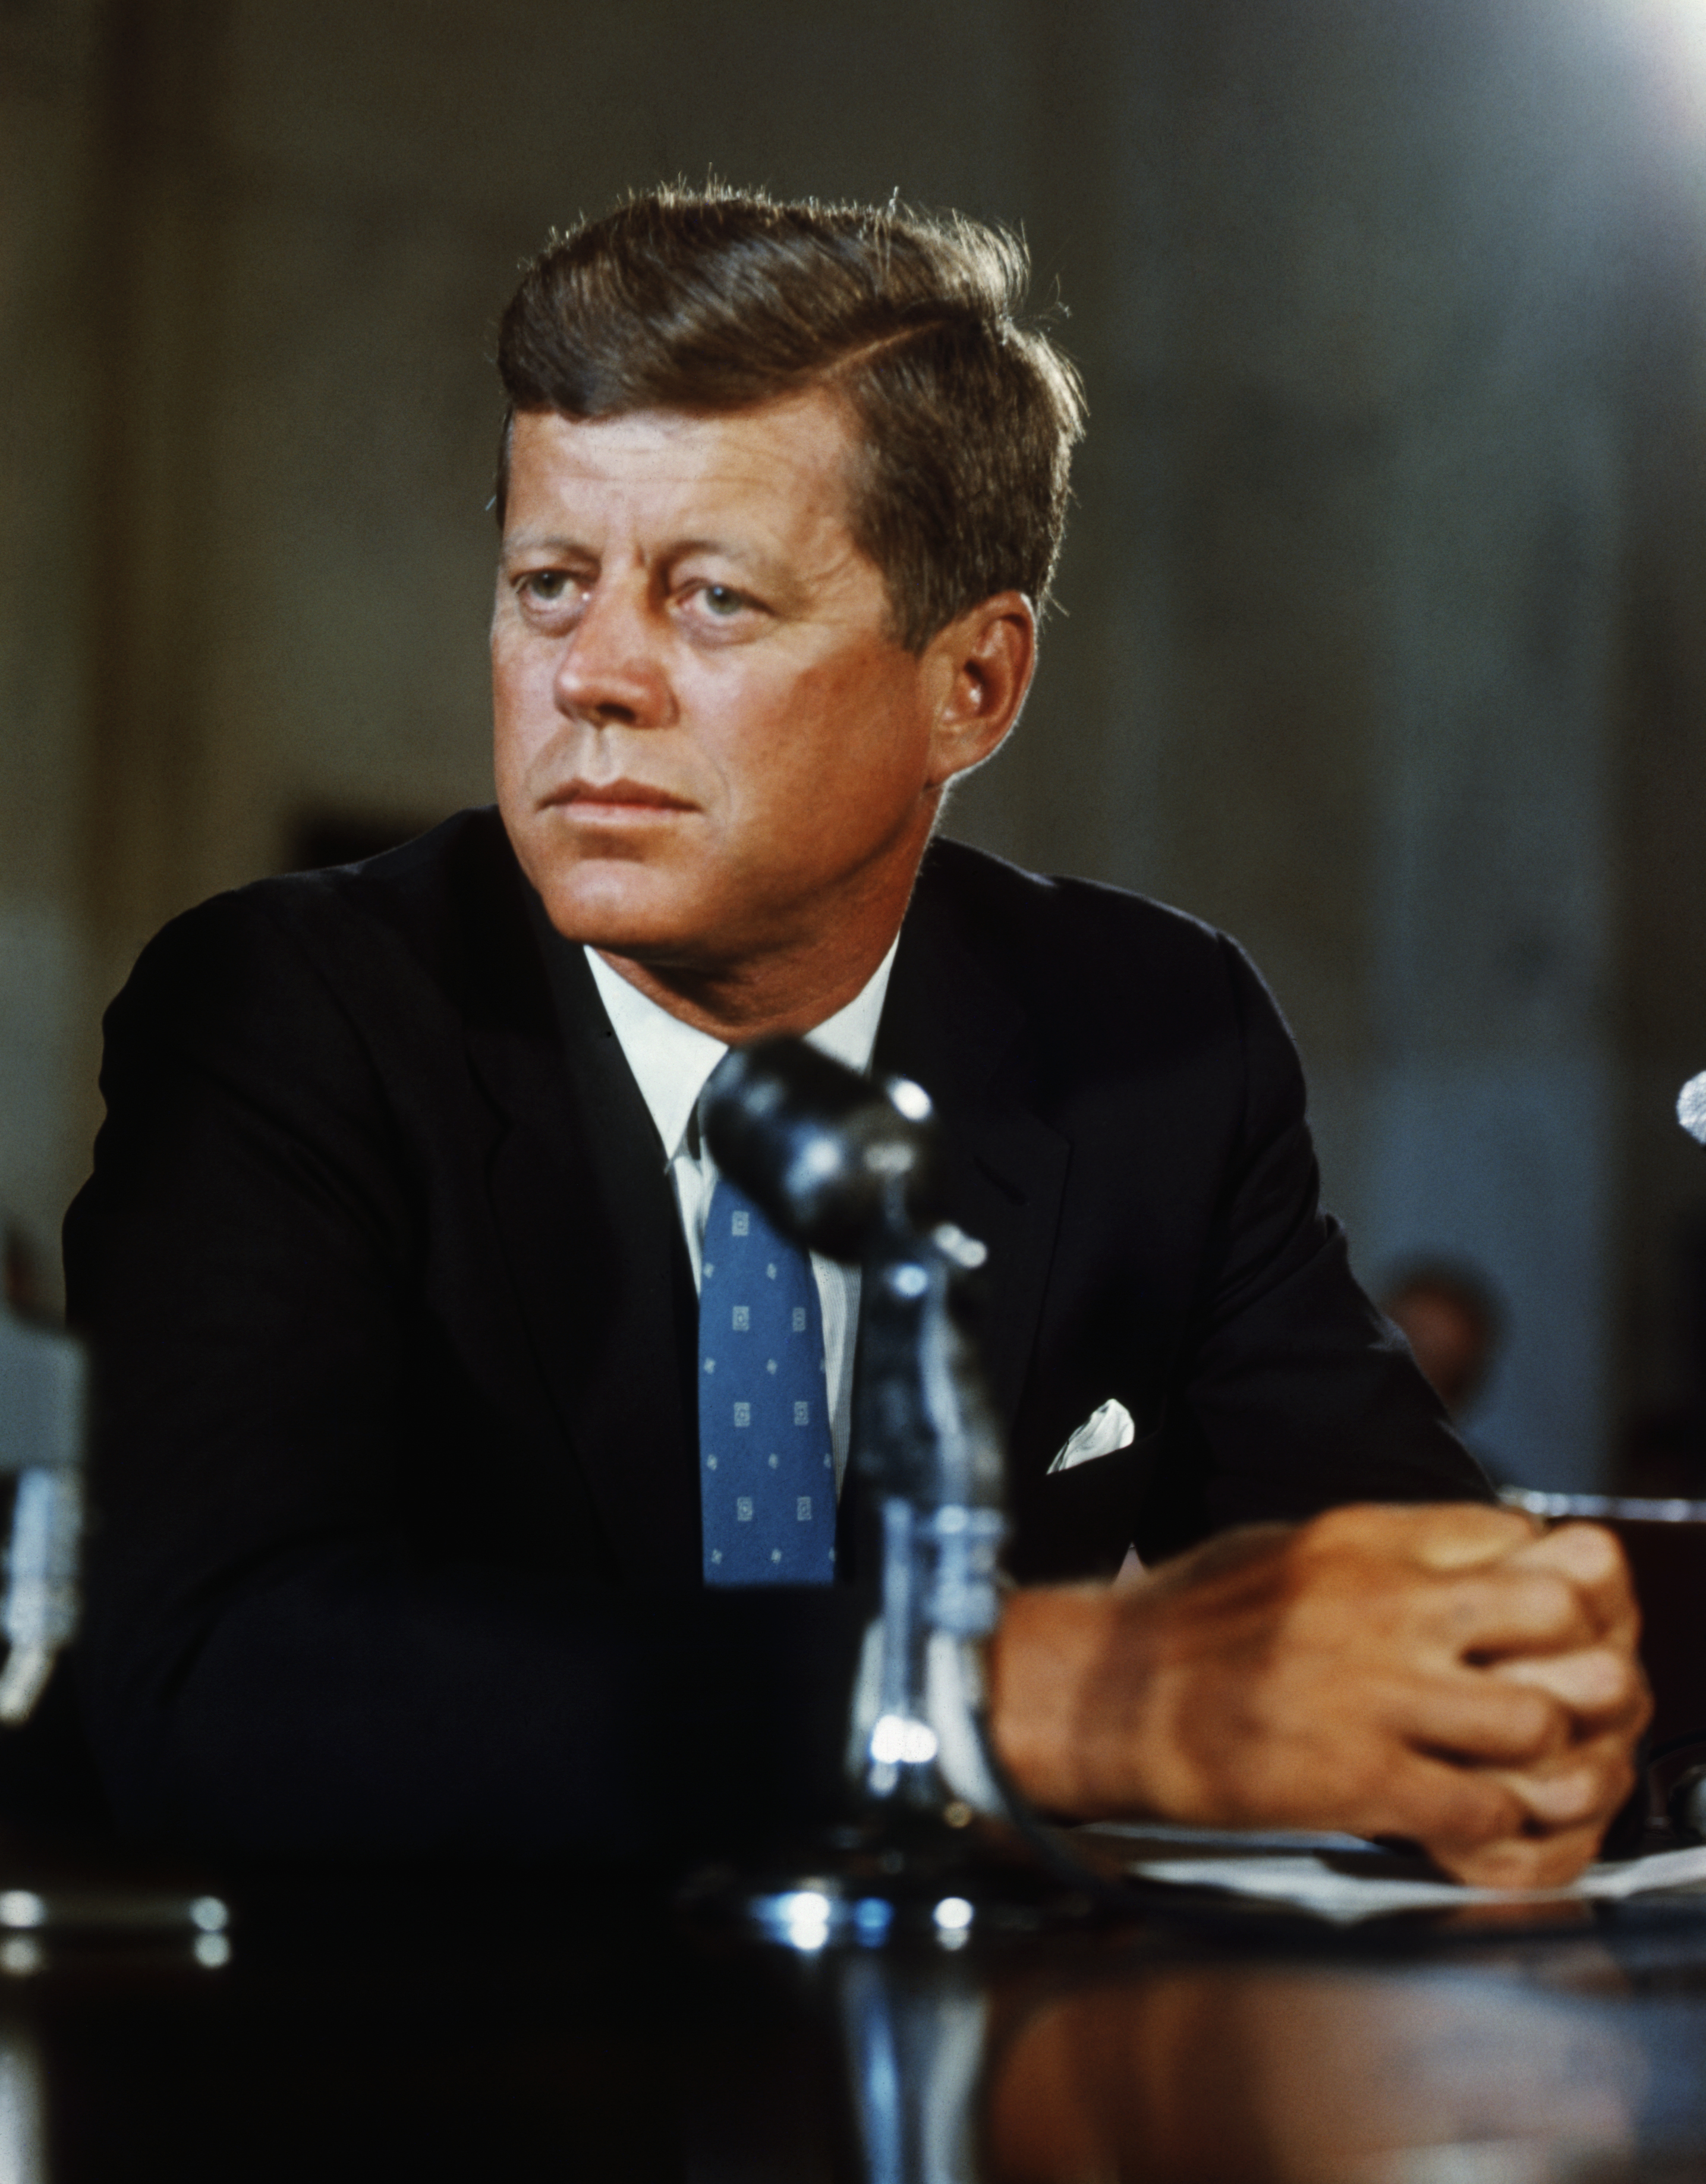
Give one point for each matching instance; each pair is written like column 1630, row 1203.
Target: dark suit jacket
column 397, row 1537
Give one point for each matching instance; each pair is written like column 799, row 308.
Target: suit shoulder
column 417, row 890
column 343, row 924
column 1064, row 938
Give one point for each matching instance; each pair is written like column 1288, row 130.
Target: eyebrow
column 529, row 542
column 724, row 551
column 749, row 559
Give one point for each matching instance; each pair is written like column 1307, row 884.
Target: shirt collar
column 670, row 1060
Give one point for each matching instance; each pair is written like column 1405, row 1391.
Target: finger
column 1517, row 1861
column 1593, row 1561
column 1507, row 1608
column 1583, row 1789
column 1425, row 1798
column 1464, row 1535
column 1471, row 1716
column 1601, row 1685
column 1442, row 1535
column 1566, row 1818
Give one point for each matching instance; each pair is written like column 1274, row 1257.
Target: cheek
column 505, row 743
column 523, row 717
column 822, row 735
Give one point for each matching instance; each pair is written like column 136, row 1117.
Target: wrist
column 1050, row 1691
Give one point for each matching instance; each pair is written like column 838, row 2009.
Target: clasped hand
column 1446, row 1674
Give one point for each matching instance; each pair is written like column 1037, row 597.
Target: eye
column 546, row 585
column 705, row 602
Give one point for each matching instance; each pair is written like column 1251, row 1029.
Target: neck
column 778, row 997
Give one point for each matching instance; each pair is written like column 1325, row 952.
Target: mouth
column 615, row 799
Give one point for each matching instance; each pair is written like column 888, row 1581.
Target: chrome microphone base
column 906, row 1877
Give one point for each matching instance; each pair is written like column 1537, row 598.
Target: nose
column 611, row 671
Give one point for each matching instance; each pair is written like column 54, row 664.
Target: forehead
column 782, row 466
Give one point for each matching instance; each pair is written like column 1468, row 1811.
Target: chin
column 621, row 908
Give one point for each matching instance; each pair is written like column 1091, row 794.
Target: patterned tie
column 766, row 1469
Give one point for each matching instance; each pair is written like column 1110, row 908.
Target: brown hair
column 714, row 300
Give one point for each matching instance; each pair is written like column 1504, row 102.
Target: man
column 400, row 1253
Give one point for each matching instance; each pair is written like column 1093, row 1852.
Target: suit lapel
column 588, row 1223
column 587, row 1217
column 950, row 1023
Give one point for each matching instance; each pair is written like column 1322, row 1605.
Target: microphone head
column 1691, row 1108
column 820, row 1149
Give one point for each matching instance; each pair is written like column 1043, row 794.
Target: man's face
column 708, row 748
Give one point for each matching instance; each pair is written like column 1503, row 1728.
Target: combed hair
column 714, row 300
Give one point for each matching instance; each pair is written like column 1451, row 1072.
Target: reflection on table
column 431, row 2025
column 1317, row 2073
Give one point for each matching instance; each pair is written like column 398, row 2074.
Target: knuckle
column 1472, row 1808
column 1551, row 1597
column 1628, row 1691
column 1534, row 1719
column 1577, row 1797
column 1595, row 1554
column 1353, row 1524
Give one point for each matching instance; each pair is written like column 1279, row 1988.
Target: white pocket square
column 1107, row 1428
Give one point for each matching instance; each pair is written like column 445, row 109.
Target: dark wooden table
column 429, row 2025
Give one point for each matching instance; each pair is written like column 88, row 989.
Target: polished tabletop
column 306, row 2025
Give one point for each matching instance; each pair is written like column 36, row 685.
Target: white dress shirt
column 671, row 1062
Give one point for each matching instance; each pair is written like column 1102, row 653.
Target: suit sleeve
column 271, row 1662
column 1295, row 1395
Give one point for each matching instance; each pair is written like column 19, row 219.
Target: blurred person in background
column 1448, row 1313
column 25, row 1283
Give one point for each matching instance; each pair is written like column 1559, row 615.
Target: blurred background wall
column 1383, row 640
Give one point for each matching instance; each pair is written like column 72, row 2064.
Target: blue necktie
column 767, row 1475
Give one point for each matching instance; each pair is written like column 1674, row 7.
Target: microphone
column 43, row 1396
column 831, row 1158
column 1691, row 1108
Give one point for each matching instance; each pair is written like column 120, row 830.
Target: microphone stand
column 938, row 1840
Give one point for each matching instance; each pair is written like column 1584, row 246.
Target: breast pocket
column 1078, row 1520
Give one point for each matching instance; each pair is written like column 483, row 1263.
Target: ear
column 982, row 664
